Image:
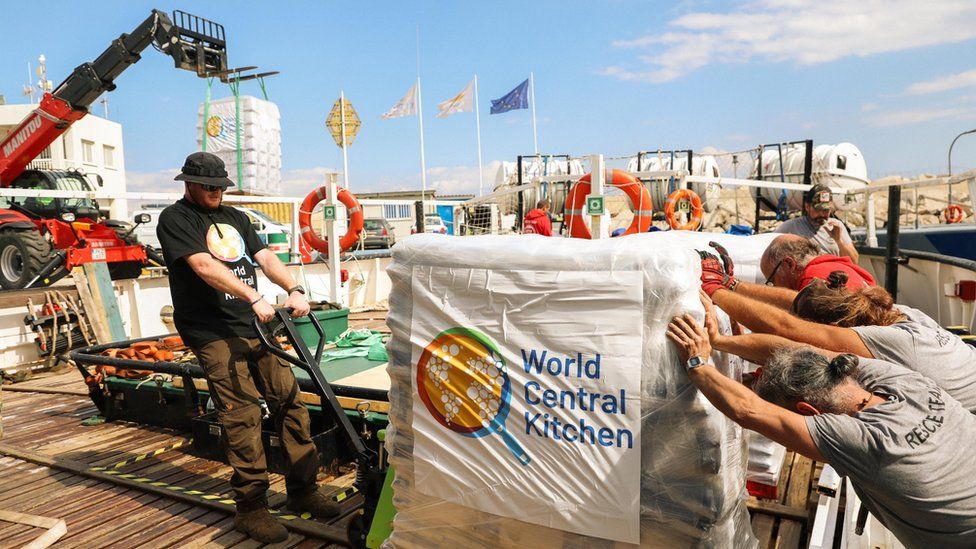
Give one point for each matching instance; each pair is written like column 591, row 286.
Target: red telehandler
column 43, row 237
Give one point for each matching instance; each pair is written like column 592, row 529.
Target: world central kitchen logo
column 463, row 382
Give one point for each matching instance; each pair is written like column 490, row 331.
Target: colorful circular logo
column 226, row 243
column 463, row 382
column 214, row 126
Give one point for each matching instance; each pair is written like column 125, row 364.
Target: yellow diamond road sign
column 334, row 122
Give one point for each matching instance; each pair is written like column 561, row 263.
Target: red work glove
column 726, row 259
column 713, row 275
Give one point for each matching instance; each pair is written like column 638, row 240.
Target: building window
column 108, row 156
column 397, row 211
column 87, row 151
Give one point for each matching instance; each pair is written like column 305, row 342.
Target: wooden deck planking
column 47, row 420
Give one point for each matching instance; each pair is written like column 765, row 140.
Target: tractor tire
column 22, row 254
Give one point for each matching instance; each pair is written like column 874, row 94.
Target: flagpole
column 477, row 122
column 535, row 133
column 423, row 161
column 345, row 159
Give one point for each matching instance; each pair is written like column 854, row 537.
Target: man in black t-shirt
column 210, row 250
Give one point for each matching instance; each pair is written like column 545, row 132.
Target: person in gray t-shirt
column 869, row 324
column 816, row 225
column 900, row 439
column 908, row 457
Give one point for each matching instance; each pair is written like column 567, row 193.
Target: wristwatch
column 298, row 289
column 695, row 362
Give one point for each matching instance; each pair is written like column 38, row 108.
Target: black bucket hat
column 204, row 168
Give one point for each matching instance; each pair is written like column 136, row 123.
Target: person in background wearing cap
column 210, row 251
column 816, row 224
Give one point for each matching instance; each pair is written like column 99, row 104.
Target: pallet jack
column 178, row 408
column 374, row 478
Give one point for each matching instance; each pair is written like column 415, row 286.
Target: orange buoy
column 695, row 220
column 954, row 213
column 355, row 220
column 640, row 201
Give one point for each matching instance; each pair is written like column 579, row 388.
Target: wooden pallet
column 784, row 523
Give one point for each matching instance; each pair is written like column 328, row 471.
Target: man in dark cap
column 210, row 250
column 827, row 233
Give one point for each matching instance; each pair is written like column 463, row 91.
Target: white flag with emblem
column 462, row 102
column 407, row 106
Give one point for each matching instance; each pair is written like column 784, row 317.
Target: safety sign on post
column 329, row 212
column 595, row 205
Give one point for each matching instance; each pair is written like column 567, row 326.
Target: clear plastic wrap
column 260, row 141
column 692, row 459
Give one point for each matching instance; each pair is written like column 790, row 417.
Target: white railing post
column 335, row 282
column 869, row 220
column 599, row 224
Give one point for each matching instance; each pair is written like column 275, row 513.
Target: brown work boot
column 316, row 504
column 259, row 525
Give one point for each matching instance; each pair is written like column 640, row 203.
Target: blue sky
column 896, row 78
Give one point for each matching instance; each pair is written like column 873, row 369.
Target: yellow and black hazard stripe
column 340, row 495
column 140, row 457
column 344, row 494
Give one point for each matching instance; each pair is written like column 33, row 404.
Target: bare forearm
column 848, row 249
column 756, row 315
column 758, row 348
column 773, row 295
column 275, row 270
column 731, row 398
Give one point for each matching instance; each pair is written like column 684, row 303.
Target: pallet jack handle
column 309, row 362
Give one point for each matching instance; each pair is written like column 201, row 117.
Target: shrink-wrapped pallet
column 260, row 141
column 500, row 344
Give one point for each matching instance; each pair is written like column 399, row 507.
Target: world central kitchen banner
column 527, row 395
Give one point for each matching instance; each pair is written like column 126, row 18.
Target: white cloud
column 916, row 116
column 944, row 83
column 868, row 107
column 805, row 32
column 708, row 149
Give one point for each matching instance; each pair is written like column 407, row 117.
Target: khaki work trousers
column 229, row 364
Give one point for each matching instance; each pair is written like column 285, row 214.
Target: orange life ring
column 639, row 200
column 696, row 210
column 954, row 213
column 355, row 220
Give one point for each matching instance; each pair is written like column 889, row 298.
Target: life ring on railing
column 355, row 220
column 640, row 200
column 954, row 213
column 695, row 220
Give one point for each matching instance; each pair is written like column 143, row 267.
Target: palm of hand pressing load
column 690, row 338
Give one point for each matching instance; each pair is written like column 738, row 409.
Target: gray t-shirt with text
column 802, row 226
column 933, row 352
column 910, row 458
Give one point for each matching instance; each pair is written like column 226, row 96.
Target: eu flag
column 515, row 99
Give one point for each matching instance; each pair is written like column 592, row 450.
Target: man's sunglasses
column 769, row 281
column 210, row 188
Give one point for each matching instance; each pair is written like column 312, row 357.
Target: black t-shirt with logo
column 201, row 312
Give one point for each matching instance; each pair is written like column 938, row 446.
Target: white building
column 92, row 144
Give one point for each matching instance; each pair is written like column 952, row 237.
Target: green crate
column 333, row 321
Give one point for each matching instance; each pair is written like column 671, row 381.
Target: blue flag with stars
column 515, row 99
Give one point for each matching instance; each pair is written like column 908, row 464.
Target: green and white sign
column 595, row 205
column 329, row 212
